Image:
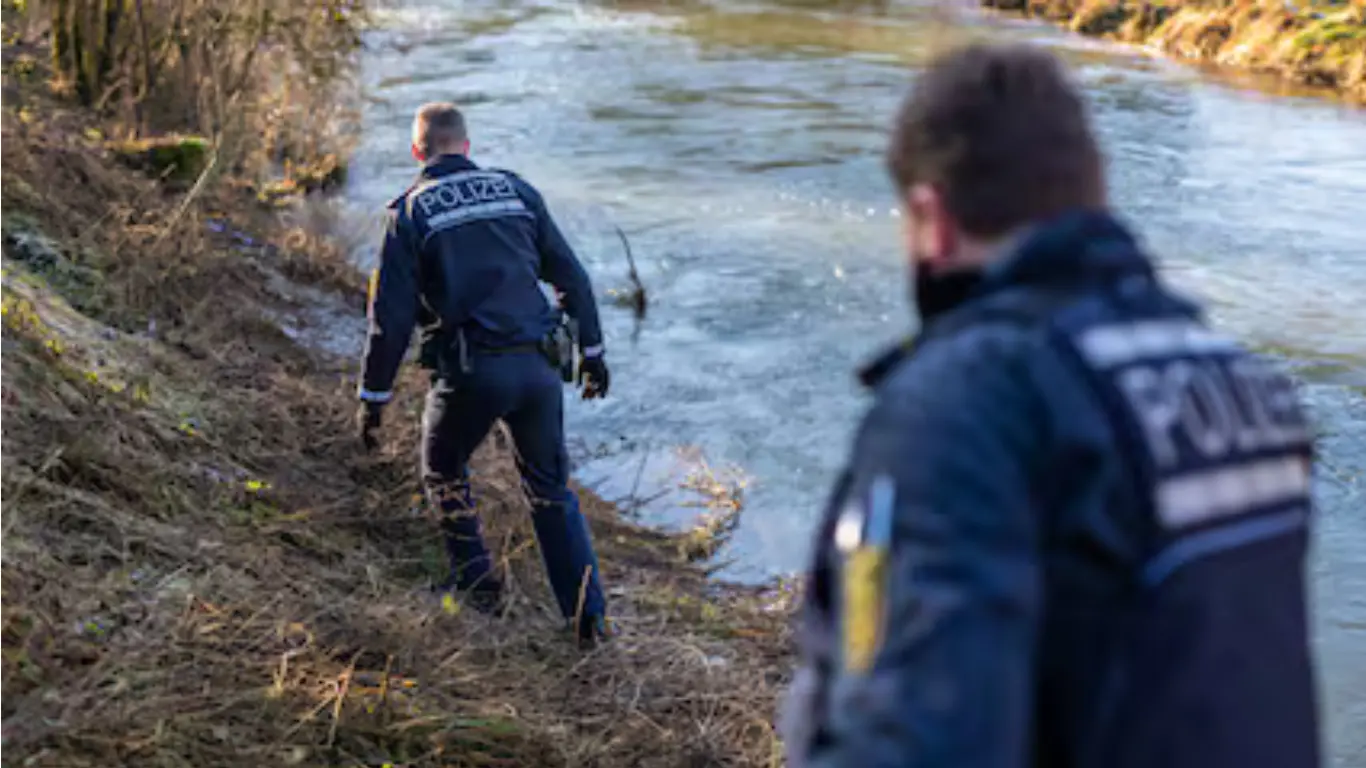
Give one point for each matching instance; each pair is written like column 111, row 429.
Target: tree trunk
column 108, row 54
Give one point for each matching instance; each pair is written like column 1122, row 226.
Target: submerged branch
column 637, row 299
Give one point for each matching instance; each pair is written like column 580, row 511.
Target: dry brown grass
column 201, row 569
column 1320, row 44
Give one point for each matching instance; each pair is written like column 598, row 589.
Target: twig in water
column 637, row 298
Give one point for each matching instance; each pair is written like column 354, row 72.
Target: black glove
column 594, row 377
column 368, row 418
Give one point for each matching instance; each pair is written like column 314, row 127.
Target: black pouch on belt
column 558, row 348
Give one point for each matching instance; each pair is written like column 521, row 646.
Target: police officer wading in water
column 1073, row 530
column 463, row 255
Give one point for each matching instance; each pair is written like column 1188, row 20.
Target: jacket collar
column 444, row 165
column 1084, row 246
column 1078, row 248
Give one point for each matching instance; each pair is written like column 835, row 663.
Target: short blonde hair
column 438, row 126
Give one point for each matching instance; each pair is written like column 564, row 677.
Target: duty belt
column 514, row 349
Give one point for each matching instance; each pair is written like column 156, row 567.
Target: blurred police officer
column 1072, row 533
column 464, row 255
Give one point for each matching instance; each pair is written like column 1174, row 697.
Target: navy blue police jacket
column 1072, row 535
column 465, row 250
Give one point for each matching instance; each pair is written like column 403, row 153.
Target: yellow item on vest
column 864, row 601
column 863, row 536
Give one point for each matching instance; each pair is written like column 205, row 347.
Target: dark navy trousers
column 524, row 391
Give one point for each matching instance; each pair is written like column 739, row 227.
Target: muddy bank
column 1319, row 44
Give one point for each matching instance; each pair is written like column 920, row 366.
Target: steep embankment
column 1321, row 44
column 201, row 569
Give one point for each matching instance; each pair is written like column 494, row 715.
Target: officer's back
column 485, row 242
column 464, row 255
column 1073, row 530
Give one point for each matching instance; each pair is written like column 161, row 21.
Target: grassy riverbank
column 1318, row 44
column 201, row 569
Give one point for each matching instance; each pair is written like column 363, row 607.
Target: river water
column 739, row 146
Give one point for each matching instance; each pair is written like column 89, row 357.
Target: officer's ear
column 931, row 232
column 465, row 147
column 418, row 154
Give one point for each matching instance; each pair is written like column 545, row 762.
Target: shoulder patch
column 863, row 538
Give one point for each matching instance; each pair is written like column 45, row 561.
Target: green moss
column 1327, row 34
column 1334, row 34
column 173, row 158
column 74, row 279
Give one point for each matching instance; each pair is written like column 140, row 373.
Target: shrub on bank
column 268, row 85
column 1319, row 44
